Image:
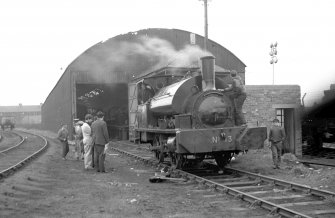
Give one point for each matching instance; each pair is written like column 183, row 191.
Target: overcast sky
column 40, row 38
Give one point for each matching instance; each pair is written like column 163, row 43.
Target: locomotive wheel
column 199, row 160
column 159, row 154
column 180, row 161
column 161, row 157
column 172, row 158
column 156, row 154
column 222, row 158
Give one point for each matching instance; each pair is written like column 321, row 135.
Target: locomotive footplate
column 190, row 141
column 220, row 139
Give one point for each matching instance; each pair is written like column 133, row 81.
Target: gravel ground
column 52, row 187
column 260, row 161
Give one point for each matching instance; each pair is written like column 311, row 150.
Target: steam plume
column 135, row 56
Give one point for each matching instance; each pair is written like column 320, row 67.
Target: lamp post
column 274, row 59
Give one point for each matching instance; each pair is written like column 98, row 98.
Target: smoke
column 138, row 55
column 163, row 52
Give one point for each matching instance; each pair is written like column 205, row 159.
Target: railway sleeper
column 322, row 212
column 253, row 188
column 242, row 183
column 256, row 203
column 305, row 203
column 274, row 211
column 227, row 180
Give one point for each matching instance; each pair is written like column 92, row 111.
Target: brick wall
column 262, row 101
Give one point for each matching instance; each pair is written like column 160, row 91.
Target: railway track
column 279, row 197
column 19, row 154
column 10, row 141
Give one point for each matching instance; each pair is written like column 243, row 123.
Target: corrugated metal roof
column 22, row 108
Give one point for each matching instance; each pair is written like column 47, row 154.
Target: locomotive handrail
column 162, row 96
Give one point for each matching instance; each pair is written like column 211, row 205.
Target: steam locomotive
column 189, row 120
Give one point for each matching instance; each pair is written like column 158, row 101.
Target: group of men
column 91, row 141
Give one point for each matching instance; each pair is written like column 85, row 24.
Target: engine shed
column 98, row 80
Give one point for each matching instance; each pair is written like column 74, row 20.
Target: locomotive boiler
column 189, row 120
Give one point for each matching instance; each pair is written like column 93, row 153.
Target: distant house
column 25, row 115
column 329, row 95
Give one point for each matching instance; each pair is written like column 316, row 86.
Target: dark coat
column 63, row 134
column 100, row 132
column 277, row 134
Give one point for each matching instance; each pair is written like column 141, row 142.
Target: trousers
column 238, row 103
column 88, row 155
column 276, row 148
column 99, row 158
column 78, row 153
column 65, row 148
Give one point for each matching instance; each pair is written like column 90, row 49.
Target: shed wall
column 56, row 109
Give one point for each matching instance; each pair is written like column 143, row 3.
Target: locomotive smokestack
column 208, row 72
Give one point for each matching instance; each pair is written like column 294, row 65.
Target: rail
column 5, row 173
column 15, row 146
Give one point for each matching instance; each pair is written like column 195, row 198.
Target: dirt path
column 52, row 187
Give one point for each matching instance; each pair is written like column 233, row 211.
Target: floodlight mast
column 274, row 59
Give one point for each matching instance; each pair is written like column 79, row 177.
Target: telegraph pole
column 206, row 24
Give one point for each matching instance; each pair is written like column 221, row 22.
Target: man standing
column 276, row 138
column 88, row 141
column 63, row 135
column 100, row 139
column 238, row 96
column 145, row 93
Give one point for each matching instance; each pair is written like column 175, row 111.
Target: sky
column 40, row 38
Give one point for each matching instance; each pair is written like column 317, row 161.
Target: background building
column 28, row 116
